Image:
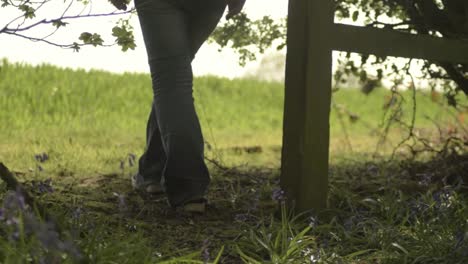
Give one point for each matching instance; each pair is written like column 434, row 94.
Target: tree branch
column 65, row 46
column 49, row 21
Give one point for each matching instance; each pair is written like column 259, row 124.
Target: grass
column 91, row 124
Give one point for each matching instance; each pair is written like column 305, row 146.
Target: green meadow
column 91, row 125
column 96, row 116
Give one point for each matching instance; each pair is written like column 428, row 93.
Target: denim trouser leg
column 173, row 31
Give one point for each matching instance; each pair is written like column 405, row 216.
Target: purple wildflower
column 123, row 207
column 241, row 217
column 372, row 169
column 313, row 221
column 349, row 223
column 325, row 243
column 15, row 235
column 131, row 159
column 459, row 238
column 417, row 207
column 12, row 221
column 14, row 201
column 315, row 258
column 206, row 251
column 42, row 157
column 426, row 178
column 254, row 205
column 17, row 216
column 50, row 239
column 30, row 223
column 131, row 228
column 278, row 195
column 76, row 214
column 442, row 198
column 43, row 186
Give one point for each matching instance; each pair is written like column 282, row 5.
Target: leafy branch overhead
column 248, row 37
column 24, row 21
column 441, row 18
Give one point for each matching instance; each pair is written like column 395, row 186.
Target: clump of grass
column 277, row 242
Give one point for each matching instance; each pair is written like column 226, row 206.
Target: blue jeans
column 173, row 31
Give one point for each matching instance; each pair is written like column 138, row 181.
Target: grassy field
column 90, row 126
column 93, row 116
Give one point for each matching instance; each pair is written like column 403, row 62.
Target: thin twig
column 413, row 116
column 49, row 21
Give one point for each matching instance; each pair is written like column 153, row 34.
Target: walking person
column 173, row 161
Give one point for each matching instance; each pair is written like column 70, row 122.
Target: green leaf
column 91, row 39
column 59, row 23
column 124, row 36
column 400, row 248
column 363, row 76
column 28, row 11
column 85, row 37
column 358, row 253
column 76, row 47
column 355, row 15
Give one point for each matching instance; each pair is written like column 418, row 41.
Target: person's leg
column 165, row 31
column 151, row 163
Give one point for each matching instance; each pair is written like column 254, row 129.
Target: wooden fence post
column 304, row 171
column 311, row 37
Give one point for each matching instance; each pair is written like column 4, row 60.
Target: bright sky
column 208, row 60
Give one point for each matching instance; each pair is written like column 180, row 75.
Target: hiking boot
column 150, row 187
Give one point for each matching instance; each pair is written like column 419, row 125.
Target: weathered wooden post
column 304, row 170
column 312, row 36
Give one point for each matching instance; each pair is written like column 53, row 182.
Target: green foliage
column 283, row 242
column 93, row 39
column 372, row 10
column 430, row 18
column 248, row 37
column 59, row 17
column 29, row 11
column 101, row 103
column 124, row 35
column 59, row 23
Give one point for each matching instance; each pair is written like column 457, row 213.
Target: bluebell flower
column 43, row 186
column 123, row 208
column 131, row 159
column 206, row 251
column 254, row 205
column 278, row 195
column 442, row 198
column 14, row 201
column 76, row 214
column 459, row 238
column 42, row 157
column 313, row 221
column 426, row 178
column 240, row 217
